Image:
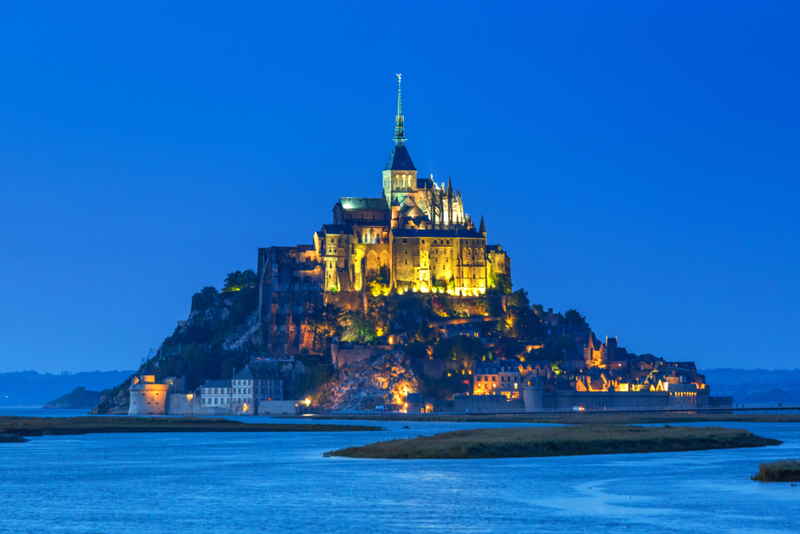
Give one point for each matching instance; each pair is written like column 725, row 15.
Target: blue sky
column 639, row 160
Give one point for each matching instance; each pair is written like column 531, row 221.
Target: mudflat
column 557, row 441
column 49, row 426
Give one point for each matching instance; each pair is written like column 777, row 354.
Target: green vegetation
column 780, row 471
column 500, row 283
column 238, row 280
column 59, row 426
column 573, row 317
column 80, row 398
column 325, row 321
column 557, row 441
column 358, row 328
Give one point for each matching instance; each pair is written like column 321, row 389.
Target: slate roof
column 361, row 203
column 217, row 384
column 399, row 160
column 337, row 229
column 244, row 374
column 423, row 183
column 487, row 368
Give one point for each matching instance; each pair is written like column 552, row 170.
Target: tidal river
column 241, row 483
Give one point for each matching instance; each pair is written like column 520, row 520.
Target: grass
column 570, row 418
column 780, row 471
column 57, row 426
column 520, row 442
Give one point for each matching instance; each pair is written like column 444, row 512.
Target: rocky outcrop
column 116, row 400
column 12, row 438
column 80, row 398
column 365, row 385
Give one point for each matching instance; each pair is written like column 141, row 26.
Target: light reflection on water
column 279, row 482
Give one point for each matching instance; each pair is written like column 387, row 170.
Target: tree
column 520, row 322
column 573, row 317
column 519, row 298
column 461, row 349
column 555, row 350
column 425, row 334
column 324, row 320
column 378, row 282
column 358, row 328
column 238, row 280
column 209, row 291
column 501, row 283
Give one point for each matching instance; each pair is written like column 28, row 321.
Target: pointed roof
column 482, row 229
column 244, row 374
column 399, row 160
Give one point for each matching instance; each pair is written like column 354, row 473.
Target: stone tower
column 399, row 175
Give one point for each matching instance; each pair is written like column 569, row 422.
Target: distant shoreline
column 63, row 426
column 564, row 418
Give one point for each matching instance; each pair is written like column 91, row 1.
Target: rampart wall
column 278, row 407
column 486, row 403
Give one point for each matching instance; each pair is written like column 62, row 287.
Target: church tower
column 399, row 175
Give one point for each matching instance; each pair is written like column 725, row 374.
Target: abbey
column 416, row 237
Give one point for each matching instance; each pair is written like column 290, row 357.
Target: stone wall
column 278, row 407
column 345, row 354
column 486, row 403
column 149, row 401
column 610, row 400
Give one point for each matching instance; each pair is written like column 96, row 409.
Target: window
column 405, row 240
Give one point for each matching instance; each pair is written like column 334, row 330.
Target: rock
column 364, row 385
column 79, row 398
column 12, row 438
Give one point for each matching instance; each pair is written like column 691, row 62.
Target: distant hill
column 29, row 388
column 81, row 398
column 755, row 386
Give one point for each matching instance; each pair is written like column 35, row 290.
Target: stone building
column 216, row 393
column 149, row 398
column 416, row 236
column 250, row 386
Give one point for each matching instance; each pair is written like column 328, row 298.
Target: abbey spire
column 399, row 131
column 399, row 160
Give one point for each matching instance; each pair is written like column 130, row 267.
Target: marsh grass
column 780, row 471
column 44, row 426
column 557, row 441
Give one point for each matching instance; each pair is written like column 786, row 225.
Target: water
column 209, row 483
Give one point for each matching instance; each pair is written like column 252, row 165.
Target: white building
column 216, row 393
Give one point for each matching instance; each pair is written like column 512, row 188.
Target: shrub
column 780, row 471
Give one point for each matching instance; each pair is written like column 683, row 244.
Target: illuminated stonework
column 416, row 237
